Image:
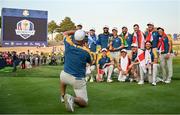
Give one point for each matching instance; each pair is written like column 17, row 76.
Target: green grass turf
column 36, row 90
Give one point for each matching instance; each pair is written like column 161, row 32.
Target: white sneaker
column 87, row 78
column 154, row 84
column 167, row 81
column 91, row 80
column 69, row 102
column 140, row 82
column 123, row 79
column 119, row 79
column 109, row 80
column 131, row 80
column 62, row 99
column 159, row 80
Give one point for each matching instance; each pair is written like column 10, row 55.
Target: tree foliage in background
column 59, row 37
column 52, row 27
column 66, row 24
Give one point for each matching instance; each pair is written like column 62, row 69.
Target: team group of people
column 132, row 57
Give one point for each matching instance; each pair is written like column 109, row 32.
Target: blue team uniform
column 103, row 40
column 103, row 61
column 75, row 60
column 134, row 55
column 117, row 42
column 155, row 38
column 166, row 45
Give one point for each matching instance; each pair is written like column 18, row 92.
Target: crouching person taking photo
column 105, row 67
column 76, row 57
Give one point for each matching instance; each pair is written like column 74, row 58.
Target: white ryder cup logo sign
column 25, row 29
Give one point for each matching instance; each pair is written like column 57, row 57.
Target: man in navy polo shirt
column 74, row 71
column 104, row 37
column 165, row 52
column 115, row 45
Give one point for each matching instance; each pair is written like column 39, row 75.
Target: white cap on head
column 79, row 35
column 92, row 29
column 150, row 23
column 115, row 28
column 134, row 45
column 106, row 27
column 124, row 50
column 104, row 49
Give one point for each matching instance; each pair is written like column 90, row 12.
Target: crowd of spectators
column 28, row 60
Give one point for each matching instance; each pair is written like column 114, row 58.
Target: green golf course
column 36, row 90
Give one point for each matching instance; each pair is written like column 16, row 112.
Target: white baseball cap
column 104, row 49
column 115, row 28
column 106, row 26
column 134, row 45
column 150, row 23
column 92, row 29
column 124, row 50
column 79, row 35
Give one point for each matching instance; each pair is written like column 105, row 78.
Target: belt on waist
column 79, row 78
column 115, row 50
column 163, row 53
